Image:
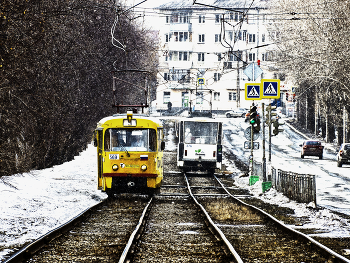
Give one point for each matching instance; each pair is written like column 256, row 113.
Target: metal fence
column 298, row 187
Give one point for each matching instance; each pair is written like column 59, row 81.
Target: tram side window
column 152, row 140
column 107, row 140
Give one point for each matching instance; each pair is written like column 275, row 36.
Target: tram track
column 174, row 229
column 256, row 235
column 99, row 234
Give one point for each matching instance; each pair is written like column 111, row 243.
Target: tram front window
column 140, row 140
column 200, row 132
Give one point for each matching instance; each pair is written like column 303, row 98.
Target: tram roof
column 124, row 116
column 200, row 119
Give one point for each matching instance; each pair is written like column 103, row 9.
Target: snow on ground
column 34, row 203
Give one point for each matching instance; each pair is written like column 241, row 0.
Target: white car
column 239, row 112
column 343, row 155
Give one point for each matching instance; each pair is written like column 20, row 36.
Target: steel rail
column 223, row 237
column 26, row 252
column 323, row 247
column 126, row 251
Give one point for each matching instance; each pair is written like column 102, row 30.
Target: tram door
column 99, row 144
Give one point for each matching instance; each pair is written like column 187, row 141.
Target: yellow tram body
column 129, row 154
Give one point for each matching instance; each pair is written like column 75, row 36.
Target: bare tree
column 312, row 45
column 56, row 83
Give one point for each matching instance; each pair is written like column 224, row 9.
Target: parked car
column 343, row 155
column 311, row 148
column 239, row 112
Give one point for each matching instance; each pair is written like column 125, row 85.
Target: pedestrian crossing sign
column 270, row 88
column 253, row 91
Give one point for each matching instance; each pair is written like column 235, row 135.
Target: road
column 332, row 182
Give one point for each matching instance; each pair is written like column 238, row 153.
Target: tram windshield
column 130, row 140
column 200, row 132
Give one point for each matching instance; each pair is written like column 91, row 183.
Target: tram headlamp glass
column 115, row 167
column 143, row 167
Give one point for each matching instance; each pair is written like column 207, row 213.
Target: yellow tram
column 129, row 154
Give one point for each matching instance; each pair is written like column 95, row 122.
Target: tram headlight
column 115, row 167
column 143, row 167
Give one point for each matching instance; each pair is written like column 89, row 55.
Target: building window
column 179, row 56
column 237, row 55
column 230, row 56
column 166, row 37
column 201, row 19
column 201, row 38
column 217, row 18
column 217, row 96
column 244, row 35
column 251, row 56
column 179, row 36
column 183, row 56
column 174, row 18
column 200, row 56
column 251, row 38
column 166, row 97
column 217, row 76
column 217, row 37
column 181, row 18
column 237, row 16
column 184, row 18
column 232, row 96
column 166, row 76
column 167, row 20
column 263, row 38
column 219, row 56
column 230, row 35
column 227, row 65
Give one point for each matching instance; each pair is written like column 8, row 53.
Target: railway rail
column 172, row 227
column 99, row 234
column 256, row 235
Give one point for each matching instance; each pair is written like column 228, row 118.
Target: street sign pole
column 251, row 147
column 270, row 132
column 264, row 158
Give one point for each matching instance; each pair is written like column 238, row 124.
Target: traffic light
column 252, row 115
column 254, row 120
column 269, row 114
column 276, row 129
column 256, row 126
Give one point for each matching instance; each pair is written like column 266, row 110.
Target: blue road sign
column 201, row 81
column 270, row 89
column 252, row 91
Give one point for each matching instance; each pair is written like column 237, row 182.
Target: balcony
column 178, row 27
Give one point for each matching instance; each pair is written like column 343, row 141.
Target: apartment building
column 204, row 50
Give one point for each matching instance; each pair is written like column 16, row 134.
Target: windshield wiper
column 124, row 149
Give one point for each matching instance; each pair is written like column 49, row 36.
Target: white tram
column 200, row 145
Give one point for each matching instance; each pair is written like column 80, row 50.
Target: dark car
column 311, row 148
column 343, row 155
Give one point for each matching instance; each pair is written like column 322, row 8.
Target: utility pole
column 264, row 158
column 344, row 122
column 238, row 84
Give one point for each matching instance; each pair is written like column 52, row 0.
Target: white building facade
column 204, row 51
